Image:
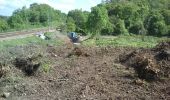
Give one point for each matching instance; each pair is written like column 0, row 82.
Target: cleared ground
column 79, row 72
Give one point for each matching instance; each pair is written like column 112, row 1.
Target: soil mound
column 163, row 51
column 78, row 51
column 162, row 46
column 150, row 64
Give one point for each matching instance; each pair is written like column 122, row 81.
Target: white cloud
column 1, row 4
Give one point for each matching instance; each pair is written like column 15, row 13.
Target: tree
column 71, row 27
column 120, row 28
column 34, row 17
column 3, row 25
column 16, row 21
column 80, row 19
column 137, row 28
column 166, row 15
column 98, row 20
column 168, row 30
column 155, row 24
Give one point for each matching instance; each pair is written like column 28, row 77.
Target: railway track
column 25, row 32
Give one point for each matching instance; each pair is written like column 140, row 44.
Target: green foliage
column 30, row 40
column 137, row 28
column 16, row 21
column 71, row 27
column 3, row 25
column 126, row 41
column 98, row 20
column 46, row 65
column 132, row 13
column 80, row 17
column 120, row 28
column 155, row 24
column 108, row 29
column 149, row 17
column 166, row 14
column 36, row 15
column 111, row 17
column 159, row 4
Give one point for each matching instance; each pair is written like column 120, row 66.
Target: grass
column 28, row 47
column 127, row 41
column 29, row 40
column 46, row 65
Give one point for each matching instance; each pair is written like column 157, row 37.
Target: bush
column 137, row 28
column 155, row 24
column 160, row 28
column 81, row 31
column 120, row 28
column 3, row 25
column 71, row 27
column 108, row 30
column 168, row 27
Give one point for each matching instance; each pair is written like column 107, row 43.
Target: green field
column 127, row 41
column 30, row 40
column 124, row 41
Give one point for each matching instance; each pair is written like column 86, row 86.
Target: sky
column 8, row 6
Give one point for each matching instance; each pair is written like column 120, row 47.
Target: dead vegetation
column 150, row 64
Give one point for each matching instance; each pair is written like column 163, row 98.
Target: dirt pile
column 28, row 65
column 78, row 51
column 163, row 51
column 150, row 64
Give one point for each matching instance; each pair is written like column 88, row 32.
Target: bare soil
column 92, row 73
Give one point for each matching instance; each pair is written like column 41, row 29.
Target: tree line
column 37, row 15
column 123, row 17
column 111, row 17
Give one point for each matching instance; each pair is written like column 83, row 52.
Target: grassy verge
column 27, row 48
column 127, row 41
column 29, row 40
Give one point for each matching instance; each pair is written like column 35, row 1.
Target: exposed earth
column 91, row 73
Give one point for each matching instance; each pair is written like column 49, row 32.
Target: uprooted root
column 150, row 64
column 162, row 46
column 146, row 67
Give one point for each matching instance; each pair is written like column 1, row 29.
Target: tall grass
column 127, row 41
